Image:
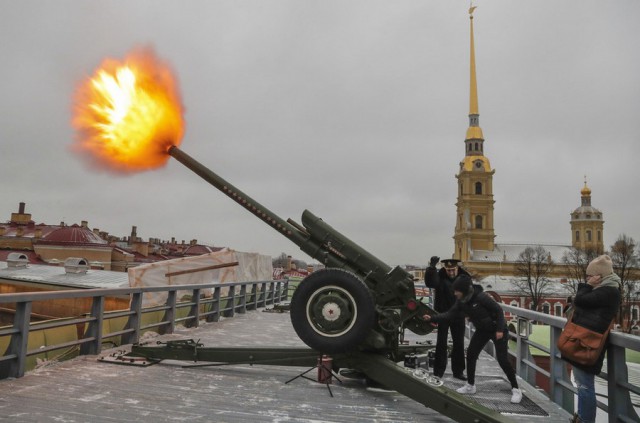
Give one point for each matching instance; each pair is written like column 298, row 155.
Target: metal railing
column 619, row 406
column 226, row 300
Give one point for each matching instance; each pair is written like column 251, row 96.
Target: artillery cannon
column 357, row 301
column 354, row 310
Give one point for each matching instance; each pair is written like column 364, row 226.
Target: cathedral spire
column 474, row 138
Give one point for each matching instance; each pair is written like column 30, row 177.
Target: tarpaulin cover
column 251, row 267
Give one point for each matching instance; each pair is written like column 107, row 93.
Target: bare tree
column 625, row 266
column 533, row 266
column 281, row 261
column 576, row 261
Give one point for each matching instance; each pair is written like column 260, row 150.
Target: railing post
column 262, row 302
column 170, row 313
column 134, row 319
column 558, row 371
column 230, row 306
column 242, row 307
column 619, row 401
column 94, row 328
column 215, row 306
column 252, row 304
column 19, row 340
column 272, row 287
column 195, row 310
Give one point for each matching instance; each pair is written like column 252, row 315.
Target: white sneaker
column 516, row 396
column 467, row 389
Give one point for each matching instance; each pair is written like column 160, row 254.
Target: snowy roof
column 56, row 275
column 510, row 252
column 505, row 285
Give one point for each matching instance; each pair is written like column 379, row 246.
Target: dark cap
column 462, row 283
column 450, row 262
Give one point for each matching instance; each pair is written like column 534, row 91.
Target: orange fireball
column 129, row 113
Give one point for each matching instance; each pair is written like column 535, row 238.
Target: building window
column 557, row 309
column 478, row 187
column 599, row 236
column 577, row 235
column 588, row 235
column 634, row 313
column 476, row 146
column 514, row 303
column 478, row 222
column 546, row 308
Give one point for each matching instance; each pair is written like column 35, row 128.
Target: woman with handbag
column 595, row 306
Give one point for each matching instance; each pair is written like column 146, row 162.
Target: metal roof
column 56, row 275
column 510, row 252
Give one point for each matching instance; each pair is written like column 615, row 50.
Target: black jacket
column 483, row 311
column 594, row 309
column 439, row 281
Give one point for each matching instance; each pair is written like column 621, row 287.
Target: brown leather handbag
column 582, row 345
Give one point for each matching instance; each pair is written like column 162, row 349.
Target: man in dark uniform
column 440, row 282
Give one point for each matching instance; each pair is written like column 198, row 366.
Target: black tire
column 332, row 311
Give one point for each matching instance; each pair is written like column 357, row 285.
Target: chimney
column 17, row 260
column 21, row 208
column 38, row 233
column 84, row 224
column 134, row 234
column 76, row 265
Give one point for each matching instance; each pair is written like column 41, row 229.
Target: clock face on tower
column 478, row 164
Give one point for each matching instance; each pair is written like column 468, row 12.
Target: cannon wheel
column 332, row 311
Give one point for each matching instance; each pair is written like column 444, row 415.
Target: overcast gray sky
column 355, row 110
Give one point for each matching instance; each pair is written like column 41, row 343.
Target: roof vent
column 76, row 265
column 17, row 260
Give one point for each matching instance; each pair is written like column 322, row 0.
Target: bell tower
column 474, row 206
column 587, row 224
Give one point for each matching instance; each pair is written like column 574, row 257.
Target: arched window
column 478, row 187
column 588, row 235
column 577, row 235
column 461, row 188
column 476, row 146
column 478, row 221
column 599, row 236
column 557, row 309
column 546, row 308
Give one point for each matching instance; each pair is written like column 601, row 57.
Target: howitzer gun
column 356, row 302
column 353, row 310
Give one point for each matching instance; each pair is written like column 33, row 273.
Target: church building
column 474, row 236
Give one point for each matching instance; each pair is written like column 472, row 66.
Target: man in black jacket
column 488, row 319
column 441, row 281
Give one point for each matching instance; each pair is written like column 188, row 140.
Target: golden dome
column 586, row 191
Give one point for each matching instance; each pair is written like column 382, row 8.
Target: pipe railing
column 226, row 300
column 619, row 406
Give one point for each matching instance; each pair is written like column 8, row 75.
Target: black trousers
column 457, row 352
column 477, row 342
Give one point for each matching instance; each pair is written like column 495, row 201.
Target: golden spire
column 473, row 92
column 474, row 131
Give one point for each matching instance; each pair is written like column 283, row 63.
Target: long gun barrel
column 357, row 301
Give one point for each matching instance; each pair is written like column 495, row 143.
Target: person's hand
column 434, row 260
column 427, row 317
column 499, row 335
column 594, row 280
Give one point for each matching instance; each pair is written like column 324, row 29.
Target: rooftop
column 86, row 390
